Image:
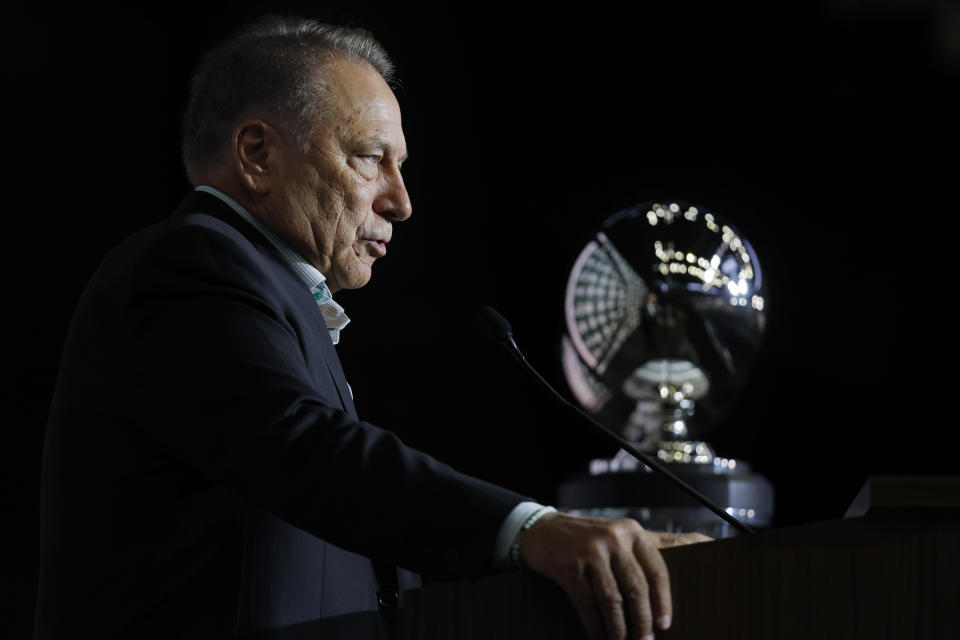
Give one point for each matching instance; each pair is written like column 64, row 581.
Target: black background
column 827, row 133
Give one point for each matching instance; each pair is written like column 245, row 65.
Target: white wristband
column 515, row 547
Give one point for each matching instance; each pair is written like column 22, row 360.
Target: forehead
column 362, row 105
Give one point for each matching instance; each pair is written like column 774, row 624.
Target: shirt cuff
column 512, row 525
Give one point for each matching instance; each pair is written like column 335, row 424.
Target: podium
column 890, row 569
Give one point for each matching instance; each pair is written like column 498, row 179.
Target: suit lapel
column 202, row 202
column 340, row 380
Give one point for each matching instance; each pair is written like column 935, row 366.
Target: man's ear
column 255, row 154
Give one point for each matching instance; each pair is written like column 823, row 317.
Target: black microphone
column 498, row 329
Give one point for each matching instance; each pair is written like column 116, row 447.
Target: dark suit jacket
column 205, row 473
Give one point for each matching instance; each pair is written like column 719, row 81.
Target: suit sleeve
column 215, row 374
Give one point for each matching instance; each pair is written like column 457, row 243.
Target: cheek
column 357, row 208
column 326, row 211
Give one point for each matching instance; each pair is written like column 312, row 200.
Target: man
column 205, row 472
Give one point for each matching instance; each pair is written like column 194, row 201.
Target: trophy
column 665, row 313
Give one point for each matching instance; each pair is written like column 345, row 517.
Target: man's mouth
column 377, row 246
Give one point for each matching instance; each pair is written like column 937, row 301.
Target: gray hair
column 268, row 67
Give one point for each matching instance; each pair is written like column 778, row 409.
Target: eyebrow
column 384, row 144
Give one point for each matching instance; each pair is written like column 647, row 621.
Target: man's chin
column 355, row 279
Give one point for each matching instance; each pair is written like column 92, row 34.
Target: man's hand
column 611, row 570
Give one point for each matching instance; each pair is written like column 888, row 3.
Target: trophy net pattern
column 607, row 295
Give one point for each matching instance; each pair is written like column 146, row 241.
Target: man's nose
column 393, row 202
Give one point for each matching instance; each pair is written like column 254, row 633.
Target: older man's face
column 340, row 198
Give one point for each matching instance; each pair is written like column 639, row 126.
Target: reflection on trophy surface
column 664, row 316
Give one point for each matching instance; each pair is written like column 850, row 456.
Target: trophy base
column 659, row 505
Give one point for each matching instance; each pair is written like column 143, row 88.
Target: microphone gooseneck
column 498, row 329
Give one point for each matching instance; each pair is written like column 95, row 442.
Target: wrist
column 515, row 555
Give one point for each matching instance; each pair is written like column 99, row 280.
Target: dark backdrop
column 827, row 133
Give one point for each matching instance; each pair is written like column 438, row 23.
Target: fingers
column 611, row 597
column 664, row 540
column 635, row 591
column 612, row 593
column 580, row 592
column 611, row 570
column 693, row 538
column 658, row 580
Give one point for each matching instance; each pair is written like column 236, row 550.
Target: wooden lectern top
column 906, row 492
column 893, row 573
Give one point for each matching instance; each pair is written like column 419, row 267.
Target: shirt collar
column 333, row 314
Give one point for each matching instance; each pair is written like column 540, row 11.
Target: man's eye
column 369, row 166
